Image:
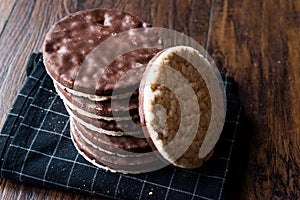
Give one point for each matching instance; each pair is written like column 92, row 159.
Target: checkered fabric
column 36, row 147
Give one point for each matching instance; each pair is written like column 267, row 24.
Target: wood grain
column 6, row 8
column 255, row 41
column 259, row 44
column 28, row 22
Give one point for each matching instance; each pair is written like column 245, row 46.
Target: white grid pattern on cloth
column 56, row 147
column 222, row 158
column 94, row 179
column 230, row 153
column 143, row 186
column 205, row 175
column 57, row 184
column 170, row 183
column 18, row 115
column 229, row 140
column 17, row 111
column 225, row 84
column 46, row 131
column 116, row 190
column 55, row 157
column 25, row 159
column 166, row 187
column 26, row 96
column 34, row 78
column 46, row 110
column 144, row 181
column 96, row 170
column 117, row 187
column 71, row 171
column 196, row 186
column 5, row 135
column 15, row 115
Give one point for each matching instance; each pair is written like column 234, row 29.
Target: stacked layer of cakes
column 101, row 95
column 109, row 68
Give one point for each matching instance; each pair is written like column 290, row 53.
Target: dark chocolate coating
column 123, row 126
column 69, row 43
column 127, row 143
column 107, row 108
column 132, row 164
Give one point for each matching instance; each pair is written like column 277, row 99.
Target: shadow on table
column 240, row 160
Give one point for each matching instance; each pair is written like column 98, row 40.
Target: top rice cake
column 74, row 41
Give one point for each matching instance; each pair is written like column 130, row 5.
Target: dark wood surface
column 258, row 42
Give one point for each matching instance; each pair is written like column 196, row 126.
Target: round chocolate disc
column 69, row 43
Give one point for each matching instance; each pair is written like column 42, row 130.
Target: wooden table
column 258, row 42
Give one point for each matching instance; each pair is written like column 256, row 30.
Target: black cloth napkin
column 35, row 147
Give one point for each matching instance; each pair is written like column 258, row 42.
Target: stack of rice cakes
column 104, row 118
column 112, row 95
